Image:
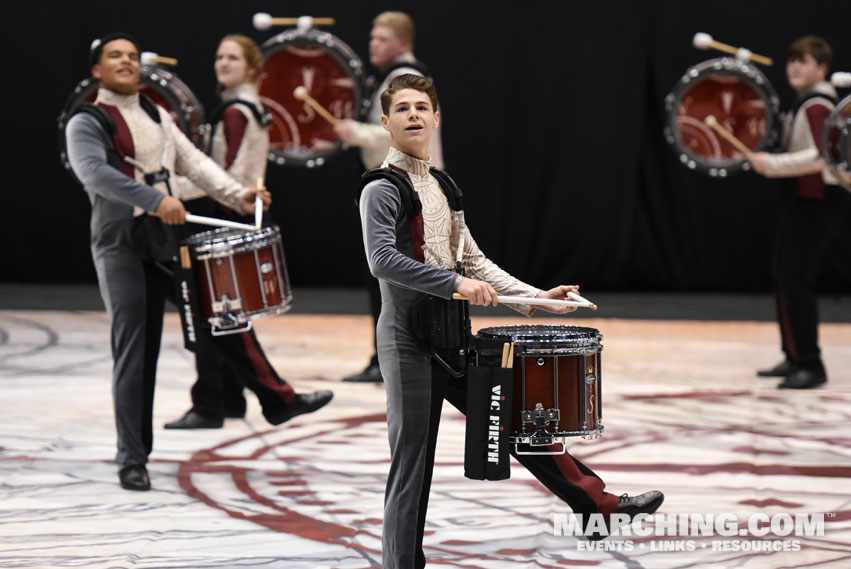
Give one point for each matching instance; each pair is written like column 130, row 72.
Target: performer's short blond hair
column 401, row 24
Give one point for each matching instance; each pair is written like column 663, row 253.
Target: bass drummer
column 812, row 218
column 391, row 44
column 108, row 146
column 227, row 363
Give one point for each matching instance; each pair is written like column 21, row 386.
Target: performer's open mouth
column 414, row 127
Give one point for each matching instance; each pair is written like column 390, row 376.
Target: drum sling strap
column 264, row 118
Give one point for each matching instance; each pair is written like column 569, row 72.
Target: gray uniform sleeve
column 87, row 146
column 379, row 208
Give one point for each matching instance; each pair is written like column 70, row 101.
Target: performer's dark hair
column 408, row 81
column 811, row 45
column 98, row 45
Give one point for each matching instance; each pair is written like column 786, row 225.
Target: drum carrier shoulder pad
column 409, row 196
column 106, row 121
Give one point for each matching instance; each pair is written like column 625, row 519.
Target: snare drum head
column 332, row 74
column 741, row 99
column 161, row 85
column 226, row 240
column 836, row 142
column 541, row 336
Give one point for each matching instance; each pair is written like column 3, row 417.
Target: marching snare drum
column 162, row 86
column 557, row 383
column 836, row 142
column 239, row 276
column 332, row 74
column 741, row 99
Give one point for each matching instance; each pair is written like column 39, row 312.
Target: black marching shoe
column 193, row 420
column 134, row 477
column 303, row 403
column 370, row 375
column 235, row 413
column 804, row 379
column 782, row 369
column 646, row 503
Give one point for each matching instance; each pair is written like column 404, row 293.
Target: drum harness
column 264, row 118
column 443, row 324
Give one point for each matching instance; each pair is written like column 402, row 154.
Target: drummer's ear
column 96, row 70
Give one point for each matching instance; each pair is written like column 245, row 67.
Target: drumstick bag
column 187, row 300
column 486, row 454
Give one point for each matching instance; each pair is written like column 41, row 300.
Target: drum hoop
column 345, row 57
column 548, row 337
column 839, row 120
column 696, row 74
column 224, row 242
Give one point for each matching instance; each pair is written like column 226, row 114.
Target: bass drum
column 162, row 86
column 741, row 99
column 332, row 74
column 836, row 142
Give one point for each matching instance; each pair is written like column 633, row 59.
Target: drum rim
column 344, row 55
column 748, row 73
column 226, row 241
column 835, row 121
column 588, row 334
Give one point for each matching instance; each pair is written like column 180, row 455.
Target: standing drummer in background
column 812, row 218
column 391, row 44
column 226, row 364
column 413, row 255
column 133, row 275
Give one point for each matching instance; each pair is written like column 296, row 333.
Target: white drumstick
column 151, row 58
column 301, row 94
column 191, row 218
column 704, row 41
column 841, row 79
column 531, row 301
column 264, row 21
column 258, row 205
column 578, row 298
column 713, row 123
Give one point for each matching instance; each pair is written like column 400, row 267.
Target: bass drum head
column 741, row 99
column 332, row 74
column 162, row 86
column 836, row 142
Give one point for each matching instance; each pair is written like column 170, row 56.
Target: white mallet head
column 300, row 92
column 701, row 40
column 710, row 120
column 148, row 58
column 304, row 22
column 262, row 21
column 841, row 79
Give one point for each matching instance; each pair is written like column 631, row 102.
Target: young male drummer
column 391, row 45
column 411, row 257
column 133, row 280
column 812, row 218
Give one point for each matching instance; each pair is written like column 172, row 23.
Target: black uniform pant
column 807, row 229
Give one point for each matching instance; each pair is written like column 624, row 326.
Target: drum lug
column 590, row 378
column 226, row 305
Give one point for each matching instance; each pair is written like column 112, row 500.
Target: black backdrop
column 553, row 119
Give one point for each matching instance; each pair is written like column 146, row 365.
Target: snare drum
column 557, row 383
column 162, row 86
column 332, row 74
column 239, row 276
column 836, row 142
column 741, row 99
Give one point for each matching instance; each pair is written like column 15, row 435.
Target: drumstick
column 578, row 298
column 713, row 123
column 841, row 79
column 532, row 301
column 510, row 361
column 264, row 21
column 258, row 205
column 505, row 349
column 190, row 218
column 300, row 93
column 705, row 41
column 150, row 58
